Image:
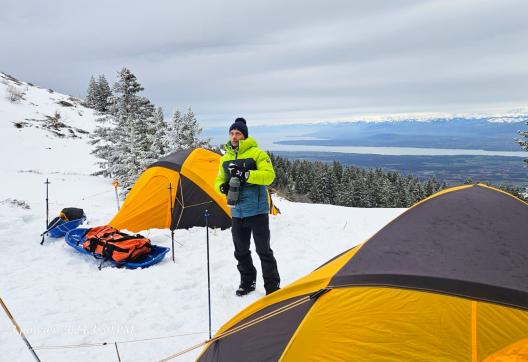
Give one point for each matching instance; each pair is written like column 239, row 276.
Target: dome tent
column 190, row 175
column 446, row 280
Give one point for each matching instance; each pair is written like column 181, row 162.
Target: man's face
column 235, row 135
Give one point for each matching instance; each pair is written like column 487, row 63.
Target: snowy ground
column 59, row 297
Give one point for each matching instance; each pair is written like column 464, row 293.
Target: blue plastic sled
column 61, row 229
column 75, row 239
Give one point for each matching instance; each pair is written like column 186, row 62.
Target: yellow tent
column 445, row 281
column 174, row 193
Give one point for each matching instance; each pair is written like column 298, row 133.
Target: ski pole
column 51, row 227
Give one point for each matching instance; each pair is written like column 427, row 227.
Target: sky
column 279, row 62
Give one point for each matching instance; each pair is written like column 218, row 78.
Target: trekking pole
column 51, row 227
column 208, row 272
column 47, row 210
column 172, row 218
column 115, row 183
column 19, row 330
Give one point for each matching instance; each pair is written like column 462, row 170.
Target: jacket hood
column 243, row 145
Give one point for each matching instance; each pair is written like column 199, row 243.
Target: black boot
column 244, row 289
column 272, row 288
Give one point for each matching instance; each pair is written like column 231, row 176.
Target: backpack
column 111, row 244
column 67, row 214
column 71, row 213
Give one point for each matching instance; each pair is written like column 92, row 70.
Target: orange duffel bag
column 111, row 244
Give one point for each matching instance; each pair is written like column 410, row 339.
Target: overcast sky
column 279, row 61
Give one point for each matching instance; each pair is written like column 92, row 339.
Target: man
column 250, row 215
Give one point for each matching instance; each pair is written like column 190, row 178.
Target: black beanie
column 240, row 124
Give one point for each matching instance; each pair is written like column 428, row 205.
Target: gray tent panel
column 470, row 242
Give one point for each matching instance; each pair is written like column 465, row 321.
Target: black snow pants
column 241, row 230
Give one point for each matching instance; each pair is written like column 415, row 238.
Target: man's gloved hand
column 224, row 188
column 236, row 171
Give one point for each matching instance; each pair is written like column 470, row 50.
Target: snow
column 59, row 297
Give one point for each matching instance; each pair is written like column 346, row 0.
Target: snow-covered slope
column 59, row 297
column 47, row 130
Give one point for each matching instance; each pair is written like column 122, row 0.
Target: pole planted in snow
column 116, row 184
column 208, row 269
column 172, row 218
column 47, row 210
column 47, row 202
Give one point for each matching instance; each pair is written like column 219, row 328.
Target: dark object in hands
column 237, row 171
column 224, row 188
column 232, row 195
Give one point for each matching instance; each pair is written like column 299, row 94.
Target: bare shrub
column 14, row 95
column 16, row 203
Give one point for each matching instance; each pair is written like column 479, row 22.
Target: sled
column 75, row 238
column 61, row 229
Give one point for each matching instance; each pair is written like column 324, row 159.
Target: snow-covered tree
column 123, row 140
column 91, row 94
column 184, row 131
column 524, row 141
column 174, row 131
column 103, row 94
column 323, row 186
column 98, row 94
column 159, row 141
column 191, row 131
column 132, row 133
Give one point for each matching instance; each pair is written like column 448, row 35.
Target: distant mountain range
column 489, row 134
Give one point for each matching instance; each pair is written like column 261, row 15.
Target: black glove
column 236, row 171
column 224, row 188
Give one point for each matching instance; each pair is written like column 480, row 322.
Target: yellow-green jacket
column 253, row 196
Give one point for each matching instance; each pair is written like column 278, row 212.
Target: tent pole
column 47, row 209
column 172, row 218
column 208, row 271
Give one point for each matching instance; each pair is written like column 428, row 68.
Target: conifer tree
column 91, row 94
column 191, row 131
column 98, row 94
column 122, row 139
column 323, row 187
column 103, row 94
column 184, row 131
column 524, row 141
column 174, row 132
column 160, row 145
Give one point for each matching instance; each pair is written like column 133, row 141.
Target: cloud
column 279, row 61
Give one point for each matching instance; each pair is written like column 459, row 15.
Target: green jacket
column 253, row 196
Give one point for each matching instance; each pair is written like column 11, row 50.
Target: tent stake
column 208, row 271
